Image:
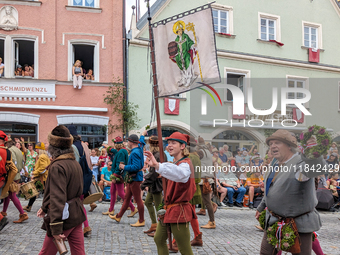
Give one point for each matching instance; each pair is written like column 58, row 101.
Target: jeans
column 95, row 173
column 240, row 191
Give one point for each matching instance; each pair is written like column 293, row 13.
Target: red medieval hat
column 3, row 136
column 179, row 137
column 118, row 140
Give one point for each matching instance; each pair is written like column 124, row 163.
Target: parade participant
column 64, row 186
column 290, row 194
column 195, row 155
column 180, row 190
column 79, row 150
column 134, row 179
column 121, row 155
column 154, row 183
column 40, row 171
column 13, row 189
column 207, row 179
column 4, row 154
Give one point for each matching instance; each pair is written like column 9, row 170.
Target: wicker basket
column 29, row 190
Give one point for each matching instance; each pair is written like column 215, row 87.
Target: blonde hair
column 153, row 149
column 77, row 61
column 185, row 152
column 42, row 152
column 119, row 146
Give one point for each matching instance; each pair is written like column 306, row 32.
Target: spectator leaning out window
column 77, row 73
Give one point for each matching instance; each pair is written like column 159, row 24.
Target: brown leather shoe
column 4, row 214
column 197, row 241
column 27, row 208
column 152, row 234
column 214, row 206
column 93, row 206
column 210, row 225
column 138, row 224
column 87, row 231
column 22, row 217
column 133, row 213
column 174, row 248
column 109, row 213
column 114, row 217
column 259, row 227
column 201, row 212
column 152, row 228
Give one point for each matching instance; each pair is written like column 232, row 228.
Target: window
column 297, row 82
column 236, row 77
column 87, row 51
column 94, row 135
column 85, row 54
column 236, row 80
column 310, row 37
column 268, row 29
column 24, row 56
column 17, row 130
column 221, row 21
column 85, row 3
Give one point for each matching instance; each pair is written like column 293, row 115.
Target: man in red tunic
column 180, row 190
column 3, row 172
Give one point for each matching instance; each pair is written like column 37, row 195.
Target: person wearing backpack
column 82, row 155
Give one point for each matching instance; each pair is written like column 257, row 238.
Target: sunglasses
column 30, row 145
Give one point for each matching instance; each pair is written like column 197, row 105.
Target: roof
column 153, row 9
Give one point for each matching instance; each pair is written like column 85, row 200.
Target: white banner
column 185, row 52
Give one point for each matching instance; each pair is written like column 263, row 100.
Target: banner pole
column 159, row 127
column 155, row 92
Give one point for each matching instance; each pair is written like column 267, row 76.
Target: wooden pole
column 155, row 89
column 159, row 127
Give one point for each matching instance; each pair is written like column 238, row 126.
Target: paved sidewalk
column 235, row 233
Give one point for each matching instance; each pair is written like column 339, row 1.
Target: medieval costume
column 79, row 150
column 134, row 178
column 180, row 189
column 290, row 195
column 13, row 188
column 154, row 185
column 40, row 171
column 62, row 208
column 117, row 186
column 207, row 179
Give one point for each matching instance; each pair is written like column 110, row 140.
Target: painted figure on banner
column 183, row 52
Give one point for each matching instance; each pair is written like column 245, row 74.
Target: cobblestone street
column 235, row 233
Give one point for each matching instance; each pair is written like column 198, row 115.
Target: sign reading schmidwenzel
column 21, row 88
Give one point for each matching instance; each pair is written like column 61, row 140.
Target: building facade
column 260, row 45
column 49, row 36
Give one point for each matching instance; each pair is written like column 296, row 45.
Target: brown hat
column 283, row 136
column 60, row 137
column 192, row 141
column 201, row 141
column 153, row 140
